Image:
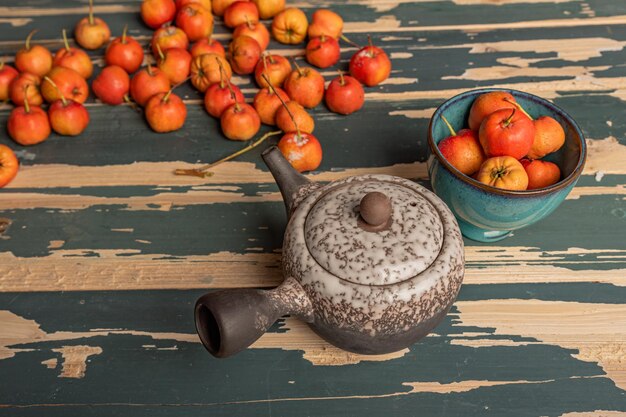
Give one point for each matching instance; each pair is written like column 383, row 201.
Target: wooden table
column 103, row 251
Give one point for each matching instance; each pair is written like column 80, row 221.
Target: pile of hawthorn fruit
column 183, row 48
column 504, row 145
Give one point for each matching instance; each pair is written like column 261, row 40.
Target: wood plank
column 475, row 376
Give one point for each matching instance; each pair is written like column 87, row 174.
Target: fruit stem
column 293, row 119
column 519, row 106
column 448, row 124
column 297, row 66
column 124, row 34
column 65, row 42
column 1, row 64
column 26, row 105
column 508, row 119
column 166, row 97
column 221, row 77
column 161, row 55
column 342, row 81
column 131, row 103
column 56, row 87
column 199, row 172
column 269, row 86
column 175, row 86
column 91, row 12
column 345, row 39
column 150, row 69
column 230, row 87
column 30, row 35
column 248, row 23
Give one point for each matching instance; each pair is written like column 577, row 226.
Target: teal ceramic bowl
column 486, row 213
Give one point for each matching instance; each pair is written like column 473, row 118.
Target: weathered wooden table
column 103, row 251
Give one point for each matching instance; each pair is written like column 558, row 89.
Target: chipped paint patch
column 16, row 22
column 382, row 24
column 504, row 72
column 520, row 264
column 72, row 270
column 577, row 49
column 56, row 244
column 414, row 114
column 17, row 331
column 595, row 330
column 400, row 81
column 74, row 359
column 462, row 386
column 400, row 55
column 606, row 155
column 578, row 192
column 161, row 174
column 480, row 343
column 64, row 11
column 50, row 363
column 317, row 351
column 546, row 89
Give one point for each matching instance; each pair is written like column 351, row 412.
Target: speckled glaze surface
column 374, row 292
column 337, row 242
column 486, row 213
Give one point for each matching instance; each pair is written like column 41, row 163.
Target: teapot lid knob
column 375, row 210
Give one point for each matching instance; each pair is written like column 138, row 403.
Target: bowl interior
column 570, row 158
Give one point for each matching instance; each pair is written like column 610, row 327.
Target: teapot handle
column 229, row 321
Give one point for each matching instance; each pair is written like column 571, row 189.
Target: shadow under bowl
column 486, row 213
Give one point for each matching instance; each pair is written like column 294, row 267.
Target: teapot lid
column 373, row 232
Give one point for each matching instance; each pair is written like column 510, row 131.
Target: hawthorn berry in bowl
column 486, row 213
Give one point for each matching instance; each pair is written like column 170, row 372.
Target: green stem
column 161, row 55
column 65, row 41
column 26, row 105
column 448, row 124
column 166, row 97
column 91, row 12
column 293, row 119
column 230, row 87
column 345, row 39
column 56, row 87
column 508, row 119
column 519, row 106
column 30, row 35
column 297, row 66
column 199, row 172
column 342, row 81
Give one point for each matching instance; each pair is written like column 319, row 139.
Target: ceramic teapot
column 372, row 263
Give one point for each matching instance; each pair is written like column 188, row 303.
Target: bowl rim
column 572, row 177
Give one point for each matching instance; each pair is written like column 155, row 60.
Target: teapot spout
column 290, row 182
column 229, row 321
